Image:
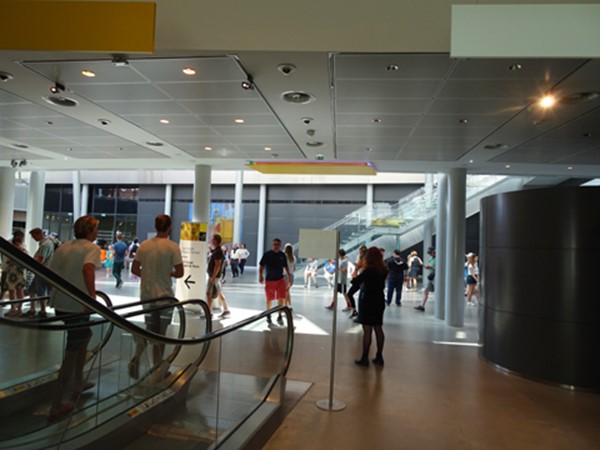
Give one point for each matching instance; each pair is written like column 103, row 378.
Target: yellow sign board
column 112, row 27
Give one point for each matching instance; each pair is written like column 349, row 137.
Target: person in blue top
column 274, row 263
column 396, row 267
column 120, row 251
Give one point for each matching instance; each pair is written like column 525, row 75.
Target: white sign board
column 318, row 243
column 193, row 252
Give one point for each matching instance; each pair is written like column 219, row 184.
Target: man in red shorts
column 275, row 263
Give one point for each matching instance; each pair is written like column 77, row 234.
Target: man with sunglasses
column 275, row 263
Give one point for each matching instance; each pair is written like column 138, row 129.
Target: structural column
column 237, row 209
column 7, row 201
column 440, row 270
column 35, row 206
column 428, row 225
column 85, row 193
column 201, row 208
column 455, row 247
column 76, row 194
column 262, row 218
column 369, row 201
column 169, row 198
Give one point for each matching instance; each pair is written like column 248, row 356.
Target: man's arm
column 217, row 268
column 136, row 269
column 89, row 278
column 260, row 274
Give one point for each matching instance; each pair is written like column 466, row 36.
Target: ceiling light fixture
column 5, row 76
column 88, row 73
column 49, row 122
column 515, row 67
column 570, row 168
column 307, row 120
column 268, row 149
column 61, row 101
column 70, row 149
column 286, row 69
column 188, row 71
column 392, row 68
column 319, row 157
column 20, row 146
column 208, row 149
column 507, row 166
column 369, row 149
column 57, row 87
column 376, row 120
column 463, row 121
column 248, row 84
column 580, row 97
column 104, row 122
column 120, row 61
column 155, row 143
column 314, row 144
column 471, row 161
column 547, row 101
column 239, row 120
column 165, row 121
column 496, row 146
column 297, row 97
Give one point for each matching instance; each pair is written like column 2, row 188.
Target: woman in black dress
column 371, row 301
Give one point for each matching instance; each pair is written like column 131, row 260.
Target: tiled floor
column 429, row 395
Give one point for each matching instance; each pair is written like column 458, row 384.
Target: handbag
column 431, row 276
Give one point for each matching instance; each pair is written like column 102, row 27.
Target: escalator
column 209, row 390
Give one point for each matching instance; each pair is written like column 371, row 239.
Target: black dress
column 371, row 301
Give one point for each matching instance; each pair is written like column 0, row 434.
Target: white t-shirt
column 243, row 253
column 68, row 262
column 157, row 257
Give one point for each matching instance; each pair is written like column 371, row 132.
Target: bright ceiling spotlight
column 239, row 120
column 248, row 84
column 56, row 88
column 165, row 121
column 268, row 149
column 189, row 71
column 88, row 73
column 547, row 101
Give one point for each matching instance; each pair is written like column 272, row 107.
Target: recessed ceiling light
column 297, row 97
column 463, row 121
column 369, row 149
column 507, row 166
column 376, row 120
column 496, row 146
column 20, row 146
column 5, row 76
column 49, row 122
column 208, row 149
column 570, row 168
column 165, row 121
column 88, row 73
column 120, row 148
column 247, row 85
column 239, row 120
column 61, row 101
column 314, row 144
column 392, row 68
column 189, row 71
column 155, row 143
column 70, row 149
column 547, row 101
column 471, row 161
column 104, row 122
column 514, row 67
column 268, row 149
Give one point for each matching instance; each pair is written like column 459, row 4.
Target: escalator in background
column 208, row 388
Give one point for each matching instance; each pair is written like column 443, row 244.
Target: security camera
column 307, row 120
column 286, row 69
column 14, row 163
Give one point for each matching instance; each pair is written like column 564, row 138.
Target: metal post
column 262, row 217
column 237, row 208
column 440, row 270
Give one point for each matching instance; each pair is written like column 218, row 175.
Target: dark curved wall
column 541, row 284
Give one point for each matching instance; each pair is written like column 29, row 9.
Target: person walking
column 216, row 264
column 414, row 266
column 234, row 260
column 13, row 275
column 274, row 263
column 371, row 283
column 430, row 279
column 472, row 278
column 244, row 254
column 342, row 283
column 76, row 261
column 120, row 254
column 157, row 261
column 291, row 263
column 38, row 287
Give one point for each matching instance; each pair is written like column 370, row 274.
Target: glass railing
column 206, row 383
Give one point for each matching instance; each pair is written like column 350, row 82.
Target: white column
column 7, row 201
column 76, row 194
column 168, row 199
column 455, row 247
column 237, row 209
column 35, row 207
column 85, row 193
column 428, row 190
column 201, row 208
column 369, row 204
column 262, row 219
column 440, row 270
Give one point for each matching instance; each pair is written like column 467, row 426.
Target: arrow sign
column 188, row 282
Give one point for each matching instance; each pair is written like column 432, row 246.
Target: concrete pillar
column 262, row 219
column 85, row 193
column 369, row 199
column 237, row 209
column 455, row 247
column 201, row 208
column 35, row 207
column 168, row 199
column 76, row 194
column 7, row 201
column 440, row 270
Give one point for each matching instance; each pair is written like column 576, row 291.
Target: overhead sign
column 193, row 252
column 318, row 243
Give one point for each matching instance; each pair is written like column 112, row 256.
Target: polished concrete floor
column 433, row 393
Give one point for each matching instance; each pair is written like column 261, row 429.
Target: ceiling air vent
column 61, row 101
column 297, row 97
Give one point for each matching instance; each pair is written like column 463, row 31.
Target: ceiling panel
column 423, row 66
column 374, row 131
column 181, row 141
column 138, row 107
column 474, row 121
column 591, row 156
column 8, row 153
column 250, row 119
column 211, row 107
column 375, row 107
column 207, row 69
column 121, row 92
column 531, row 69
column 69, row 72
column 170, row 131
column 207, row 91
column 152, row 122
column 7, row 97
column 9, row 125
column 467, row 107
column 365, row 141
column 261, row 140
column 457, row 131
column 385, row 89
column 520, row 90
column 51, row 124
column 25, row 110
column 98, row 141
column 247, row 130
column 396, row 120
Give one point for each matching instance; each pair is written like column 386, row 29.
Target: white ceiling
column 403, row 120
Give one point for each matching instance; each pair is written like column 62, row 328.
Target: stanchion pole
column 330, row 404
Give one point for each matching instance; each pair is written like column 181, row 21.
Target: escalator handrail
column 57, row 282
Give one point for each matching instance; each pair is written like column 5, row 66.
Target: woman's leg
column 364, row 359
column 380, row 339
column 469, row 292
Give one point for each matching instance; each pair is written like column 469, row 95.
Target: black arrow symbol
column 188, row 282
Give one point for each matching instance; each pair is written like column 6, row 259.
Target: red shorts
column 275, row 290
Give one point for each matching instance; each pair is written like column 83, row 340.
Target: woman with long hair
column 291, row 263
column 472, row 278
column 371, row 283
